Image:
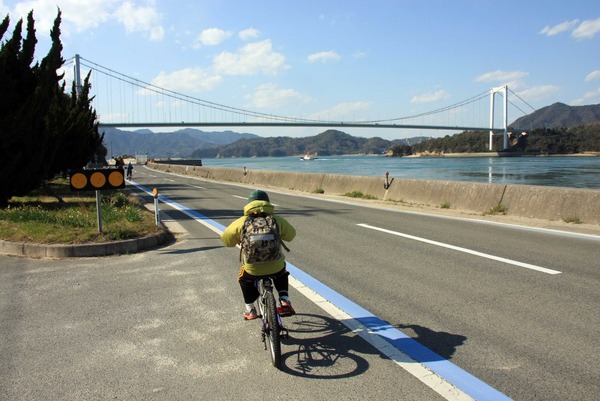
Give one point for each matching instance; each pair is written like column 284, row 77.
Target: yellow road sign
column 97, row 179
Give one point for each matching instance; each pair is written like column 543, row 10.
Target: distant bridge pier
column 504, row 91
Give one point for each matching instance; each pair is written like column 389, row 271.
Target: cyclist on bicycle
column 259, row 205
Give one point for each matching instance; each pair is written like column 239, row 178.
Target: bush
column 358, row 194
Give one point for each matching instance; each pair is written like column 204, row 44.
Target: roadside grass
column 498, row 209
column 572, row 219
column 41, row 218
column 359, row 194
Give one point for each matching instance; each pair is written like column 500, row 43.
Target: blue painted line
column 456, row 376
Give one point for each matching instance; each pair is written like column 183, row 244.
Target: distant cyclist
column 260, row 231
column 129, row 170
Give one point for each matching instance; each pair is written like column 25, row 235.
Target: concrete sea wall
column 549, row 203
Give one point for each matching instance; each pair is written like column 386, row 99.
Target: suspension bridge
column 122, row 101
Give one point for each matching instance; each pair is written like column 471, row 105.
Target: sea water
column 561, row 171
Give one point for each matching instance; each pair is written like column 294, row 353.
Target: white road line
column 196, row 186
column 465, row 250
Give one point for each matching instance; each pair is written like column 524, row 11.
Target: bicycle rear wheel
column 273, row 329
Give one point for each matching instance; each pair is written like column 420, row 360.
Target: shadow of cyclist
column 323, row 349
column 440, row 342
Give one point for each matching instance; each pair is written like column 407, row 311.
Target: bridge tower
column 77, row 75
column 504, row 91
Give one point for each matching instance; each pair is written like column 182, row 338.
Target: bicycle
column 272, row 327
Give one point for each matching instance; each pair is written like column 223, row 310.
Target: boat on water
column 308, row 156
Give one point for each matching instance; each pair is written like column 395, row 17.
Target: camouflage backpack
column 260, row 240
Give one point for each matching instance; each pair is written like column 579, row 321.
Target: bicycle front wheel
column 273, row 329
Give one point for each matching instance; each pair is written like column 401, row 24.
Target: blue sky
column 338, row 60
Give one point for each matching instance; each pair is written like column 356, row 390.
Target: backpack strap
column 242, row 237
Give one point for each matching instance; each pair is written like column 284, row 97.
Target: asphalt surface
column 166, row 324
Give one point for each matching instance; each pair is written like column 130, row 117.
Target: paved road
column 517, row 309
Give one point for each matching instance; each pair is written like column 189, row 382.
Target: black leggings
column 280, row 279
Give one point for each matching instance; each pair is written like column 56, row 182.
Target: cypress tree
column 39, row 123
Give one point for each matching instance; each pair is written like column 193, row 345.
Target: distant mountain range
column 330, row 142
column 178, row 144
column 194, row 143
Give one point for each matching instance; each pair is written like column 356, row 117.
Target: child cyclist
column 272, row 263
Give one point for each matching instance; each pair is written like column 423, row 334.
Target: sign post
column 156, row 211
column 99, row 213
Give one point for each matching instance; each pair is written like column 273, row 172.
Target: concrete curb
column 548, row 203
column 58, row 251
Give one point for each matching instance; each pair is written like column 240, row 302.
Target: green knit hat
column 258, row 195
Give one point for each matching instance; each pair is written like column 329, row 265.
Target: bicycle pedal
column 284, row 333
column 283, row 314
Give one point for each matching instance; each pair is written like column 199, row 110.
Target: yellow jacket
column 233, row 233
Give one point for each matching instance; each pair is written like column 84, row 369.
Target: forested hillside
column 330, row 142
column 580, row 139
column 176, row 144
column 558, row 115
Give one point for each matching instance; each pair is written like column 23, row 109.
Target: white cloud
column 79, row 16
column 559, row 28
column 501, row 76
column 359, row 54
column 323, row 57
column 253, row 58
column 514, row 79
column 587, row 97
column 593, row 75
column 269, row 96
column 248, row 34
column 538, row 92
column 188, row 80
column 587, row 29
column 4, row 10
column 212, row 37
column 76, row 16
column 341, row 111
column 141, row 19
column 430, row 97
